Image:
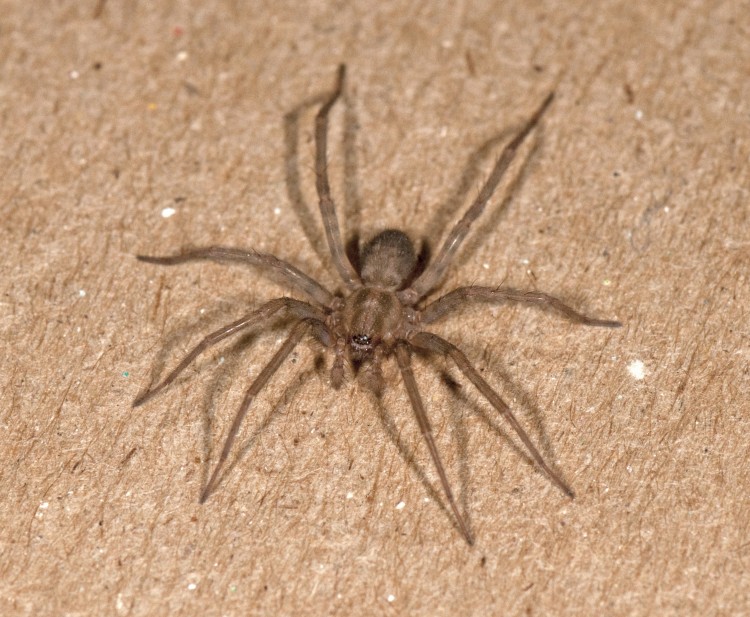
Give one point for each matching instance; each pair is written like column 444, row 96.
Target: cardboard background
column 631, row 202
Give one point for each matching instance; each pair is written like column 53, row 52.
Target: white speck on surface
column 400, row 505
column 639, row 114
column 637, row 369
column 202, row 311
column 277, row 211
column 629, row 468
column 44, row 505
column 486, row 266
column 221, row 360
column 167, row 212
column 82, row 293
column 182, row 56
column 525, row 262
column 444, row 131
column 606, row 282
column 192, row 586
column 74, row 74
column 120, row 605
column 391, row 597
column 350, row 495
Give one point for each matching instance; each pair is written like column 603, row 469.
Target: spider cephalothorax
column 383, row 312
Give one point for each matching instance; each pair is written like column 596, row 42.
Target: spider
column 382, row 313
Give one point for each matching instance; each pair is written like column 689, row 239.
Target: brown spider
column 382, row 311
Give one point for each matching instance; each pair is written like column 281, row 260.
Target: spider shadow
column 236, row 356
column 309, row 218
column 193, row 329
column 234, row 353
column 525, row 402
column 461, row 406
column 472, row 176
column 408, row 455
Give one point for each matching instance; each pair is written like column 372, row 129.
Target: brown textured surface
column 633, row 204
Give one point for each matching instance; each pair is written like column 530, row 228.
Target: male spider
column 381, row 313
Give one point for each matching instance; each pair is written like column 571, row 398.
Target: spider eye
column 361, row 340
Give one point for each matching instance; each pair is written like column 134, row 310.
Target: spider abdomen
column 388, row 259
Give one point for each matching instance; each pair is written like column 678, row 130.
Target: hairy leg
column 456, row 298
column 435, row 270
column 285, row 271
column 301, row 310
column 432, row 342
column 404, row 363
column 260, row 381
column 327, row 207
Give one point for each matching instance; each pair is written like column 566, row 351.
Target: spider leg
column 456, row 298
column 302, row 310
column 260, row 381
column 371, row 373
column 404, row 362
column 327, row 207
column 285, row 271
column 435, row 270
column 432, row 342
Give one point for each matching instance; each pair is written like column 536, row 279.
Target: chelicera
column 383, row 312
